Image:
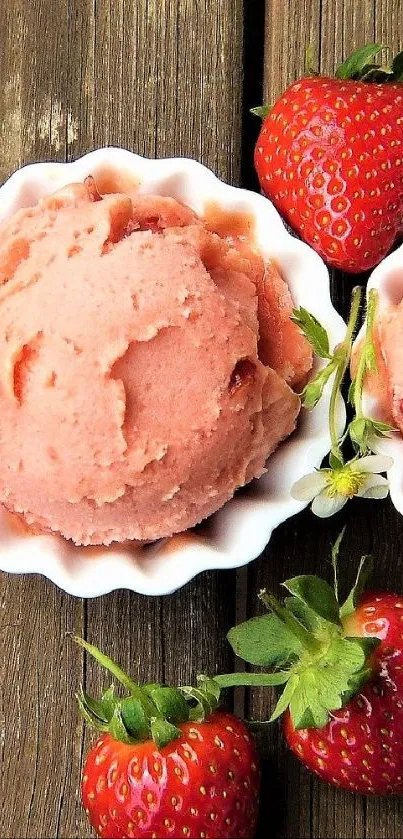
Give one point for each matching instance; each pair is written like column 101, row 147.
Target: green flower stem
column 358, row 385
column 367, row 347
column 344, row 359
column 334, row 437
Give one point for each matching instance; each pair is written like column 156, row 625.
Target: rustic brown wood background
column 166, row 77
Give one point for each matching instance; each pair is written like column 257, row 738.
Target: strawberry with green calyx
column 168, row 762
column 341, row 668
column 329, row 156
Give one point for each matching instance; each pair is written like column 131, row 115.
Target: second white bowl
column 387, row 279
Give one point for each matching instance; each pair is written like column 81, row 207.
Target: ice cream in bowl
column 150, row 371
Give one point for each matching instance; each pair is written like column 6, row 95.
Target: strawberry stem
column 151, row 711
column 251, row 680
column 110, row 665
column 306, row 639
column 344, row 352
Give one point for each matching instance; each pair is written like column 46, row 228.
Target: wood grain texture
column 310, row 808
column 163, row 78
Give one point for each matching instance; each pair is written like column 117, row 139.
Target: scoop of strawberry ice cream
column 133, row 401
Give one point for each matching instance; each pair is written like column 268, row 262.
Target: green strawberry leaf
column 317, row 594
column 306, row 718
column 303, row 613
column 117, row 728
column 108, row 702
column 358, row 429
column 200, row 704
column 368, row 644
column 134, row 718
column 354, row 65
column 95, row 706
column 344, row 658
column 397, row 67
column 163, row 732
column 264, row 641
column 382, row 428
column 363, row 574
column 361, row 432
column 209, row 686
column 261, row 111
column 307, row 704
column 285, row 697
column 322, row 686
column 335, row 462
column 313, row 331
column 91, row 711
column 364, row 431
column 170, row 703
column 376, row 73
column 313, row 391
column 357, row 680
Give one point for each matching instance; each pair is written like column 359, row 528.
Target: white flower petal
column 377, row 492
column 370, row 482
column 372, row 463
column 325, row 505
column 307, row 487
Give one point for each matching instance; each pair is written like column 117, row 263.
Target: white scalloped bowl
column 387, row 279
column 240, row 531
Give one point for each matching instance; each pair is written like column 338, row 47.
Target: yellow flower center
column 344, row 482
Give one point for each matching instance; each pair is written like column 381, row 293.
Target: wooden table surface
column 167, row 77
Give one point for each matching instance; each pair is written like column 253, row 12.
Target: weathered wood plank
column 162, row 79
column 41, row 734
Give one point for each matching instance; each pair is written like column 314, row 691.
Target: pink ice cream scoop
column 134, row 399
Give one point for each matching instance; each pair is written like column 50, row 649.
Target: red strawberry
column 361, row 747
column 330, row 157
column 168, row 764
column 342, row 671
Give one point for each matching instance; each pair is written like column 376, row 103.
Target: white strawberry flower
column 330, row 489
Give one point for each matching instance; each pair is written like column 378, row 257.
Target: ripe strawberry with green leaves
column 168, row 763
column 342, row 671
column 330, row 157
